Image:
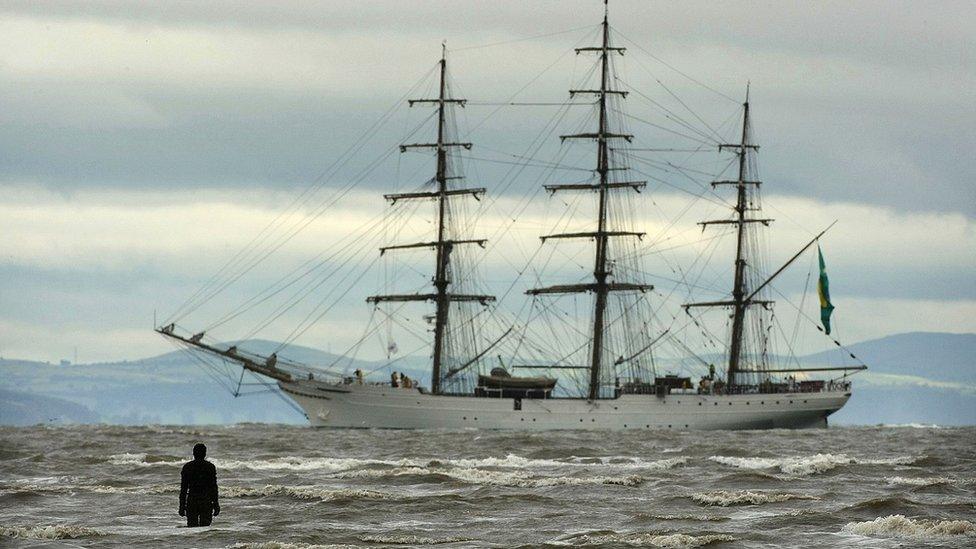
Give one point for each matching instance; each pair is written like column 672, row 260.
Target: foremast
column 601, row 286
column 442, row 297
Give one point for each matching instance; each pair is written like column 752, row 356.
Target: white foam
column 286, row 545
column 304, row 463
column 899, row 526
column 494, row 478
column 724, row 498
column 642, row 539
column 301, row 492
column 57, row 531
column 95, row 488
column 141, row 460
column 921, row 481
column 806, row 465
column 699, row 518
column 409, row 539
column 627, row 462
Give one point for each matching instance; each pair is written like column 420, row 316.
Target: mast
column 600, row 266
column 600, row 286
column 442, row 297
column 739, row 302
column 738, row 284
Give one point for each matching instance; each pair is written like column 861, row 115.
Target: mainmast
column 739, row 302
column 601, row 286
column 442, row 296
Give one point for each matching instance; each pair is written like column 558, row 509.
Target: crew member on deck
column 198, row 489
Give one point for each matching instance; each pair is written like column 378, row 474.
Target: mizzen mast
column 601, row 285
column 442, row 297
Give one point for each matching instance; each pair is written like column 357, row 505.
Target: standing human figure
column 198, row 489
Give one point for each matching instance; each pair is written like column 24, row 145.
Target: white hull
column 378, row 406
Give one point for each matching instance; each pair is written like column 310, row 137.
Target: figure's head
column 200, row 451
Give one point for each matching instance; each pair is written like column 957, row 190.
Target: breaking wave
column 302, row 492
column 93, row 488
column 144, row 459
column 899, row 526
column 491, row 478
column 698, row 518
column 927, row 481
column 806, row 465
column 645, row 539
column 410, row 539
column 286, row 545
column 58, row 531
column 300, row 463
column 724, row 498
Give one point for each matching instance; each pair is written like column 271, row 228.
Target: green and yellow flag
column 823, row 288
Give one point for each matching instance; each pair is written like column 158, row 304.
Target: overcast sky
column 143, row 143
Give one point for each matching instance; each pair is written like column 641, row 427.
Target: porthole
column 523, row 419
column 763, row 402
column 747, row 403
column 465, row 418
column 581, row 420
column 669, row 426
column 593, row 420
column 533, row 419
column 716, row 403
column 699, row 403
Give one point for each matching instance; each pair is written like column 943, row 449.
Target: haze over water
column 283, row 487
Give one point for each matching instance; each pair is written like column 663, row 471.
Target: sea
column 284, row 487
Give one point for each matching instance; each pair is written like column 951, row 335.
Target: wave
column 410, row 539
column 94, row 488
column 302, row 492
column 645, row 539
column 724, row 498
column 57, row 531
column 286, row 545
column 298, row 492
column 698, row 518
column 899, row 526
column 491, row 478
column 301, row 463
column 144, row 459
column 625, row 461
column 928, row 481
column 807, row 465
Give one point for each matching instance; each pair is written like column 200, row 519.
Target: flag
column 823, row 288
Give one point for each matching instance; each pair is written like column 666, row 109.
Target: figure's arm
column 213, row 492
column 183, row 487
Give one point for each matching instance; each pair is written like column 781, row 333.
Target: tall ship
column 604, row 367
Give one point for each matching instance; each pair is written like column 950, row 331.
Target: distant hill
column 914, row 378
column 17, row 408
column 917, row 377
column 933, row 355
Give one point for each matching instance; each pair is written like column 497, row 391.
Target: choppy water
column 286, row 487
